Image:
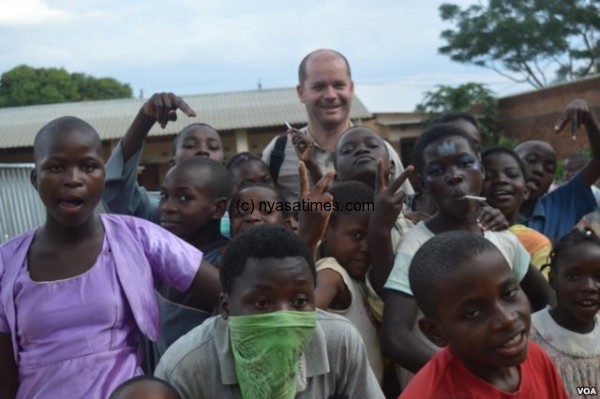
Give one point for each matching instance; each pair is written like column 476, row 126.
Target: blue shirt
column 556, row 213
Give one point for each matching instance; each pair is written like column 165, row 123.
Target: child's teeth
column 513, row 341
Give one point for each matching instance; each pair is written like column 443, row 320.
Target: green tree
column 526, row 40
column 24, row 85
column 471, row 97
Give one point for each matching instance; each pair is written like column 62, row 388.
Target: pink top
column 77, row 338
column 51, row 314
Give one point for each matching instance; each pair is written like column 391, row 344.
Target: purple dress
column 78, row 337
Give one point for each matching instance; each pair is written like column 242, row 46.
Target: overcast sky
column 207, row 46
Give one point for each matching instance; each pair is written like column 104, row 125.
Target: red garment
column 445, row 377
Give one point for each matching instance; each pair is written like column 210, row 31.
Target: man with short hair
column 325, row 88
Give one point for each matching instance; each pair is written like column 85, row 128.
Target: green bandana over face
column 266, row 351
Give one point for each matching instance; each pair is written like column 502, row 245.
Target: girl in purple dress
column 76, row 293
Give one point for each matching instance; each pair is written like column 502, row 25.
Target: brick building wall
column 531, row 115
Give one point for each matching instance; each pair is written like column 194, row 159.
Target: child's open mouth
column 588, row 304
column 514, row 346
column 71, row 203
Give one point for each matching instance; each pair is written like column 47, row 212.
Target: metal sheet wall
column 20, row 207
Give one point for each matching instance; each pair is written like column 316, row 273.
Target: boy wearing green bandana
column 269, row 341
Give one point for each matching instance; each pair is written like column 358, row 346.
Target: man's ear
column 300, row 92
column 224, row 306
column 171, row 162
column 33, row 179
column 220, row 208
column 432, row 330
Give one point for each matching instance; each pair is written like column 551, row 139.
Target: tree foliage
column 24, row 85
column 471, row 97
column 526, row 40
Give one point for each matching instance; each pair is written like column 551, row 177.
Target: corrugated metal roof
column 20, row 206
column 224, row 111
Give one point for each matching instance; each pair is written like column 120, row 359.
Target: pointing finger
column 184, row 107
column 561, row 121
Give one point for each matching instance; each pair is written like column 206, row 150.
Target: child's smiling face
column 451, row 170
column 504, row 185
column 483, row 315
column 576, row 281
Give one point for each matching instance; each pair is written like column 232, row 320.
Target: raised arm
column 122, row 193
column 388, row 205
column 161, row 108
column 578, row 113
column 9, row 377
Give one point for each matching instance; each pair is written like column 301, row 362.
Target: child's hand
column 491, row 219
column 313, row 219
column 304, row 145
column 577, row 112
column 162, row 107
column 388, row 200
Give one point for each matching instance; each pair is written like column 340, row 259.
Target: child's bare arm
column 206, row 286
column 537, row 289
column 578, row 113
column 312, row 224
column 329, row 283
column 388, row 205
column 398, row 342
column 9, row 377
column 161, row 108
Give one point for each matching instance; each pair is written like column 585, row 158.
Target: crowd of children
column 232, row 288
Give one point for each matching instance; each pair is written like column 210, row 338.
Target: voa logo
column 587, row 391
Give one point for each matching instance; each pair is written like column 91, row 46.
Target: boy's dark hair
column 236, row 196
column 433, row 133
column 263, row 241
column 189, row 127
column 571, row 239
column 449, row 117
column 350, row 196
column 64, row 123
column 241, row 158
column 503, row 150
column 437, row 259
column 302, row 66
column 119, row 390
column 217, row 181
